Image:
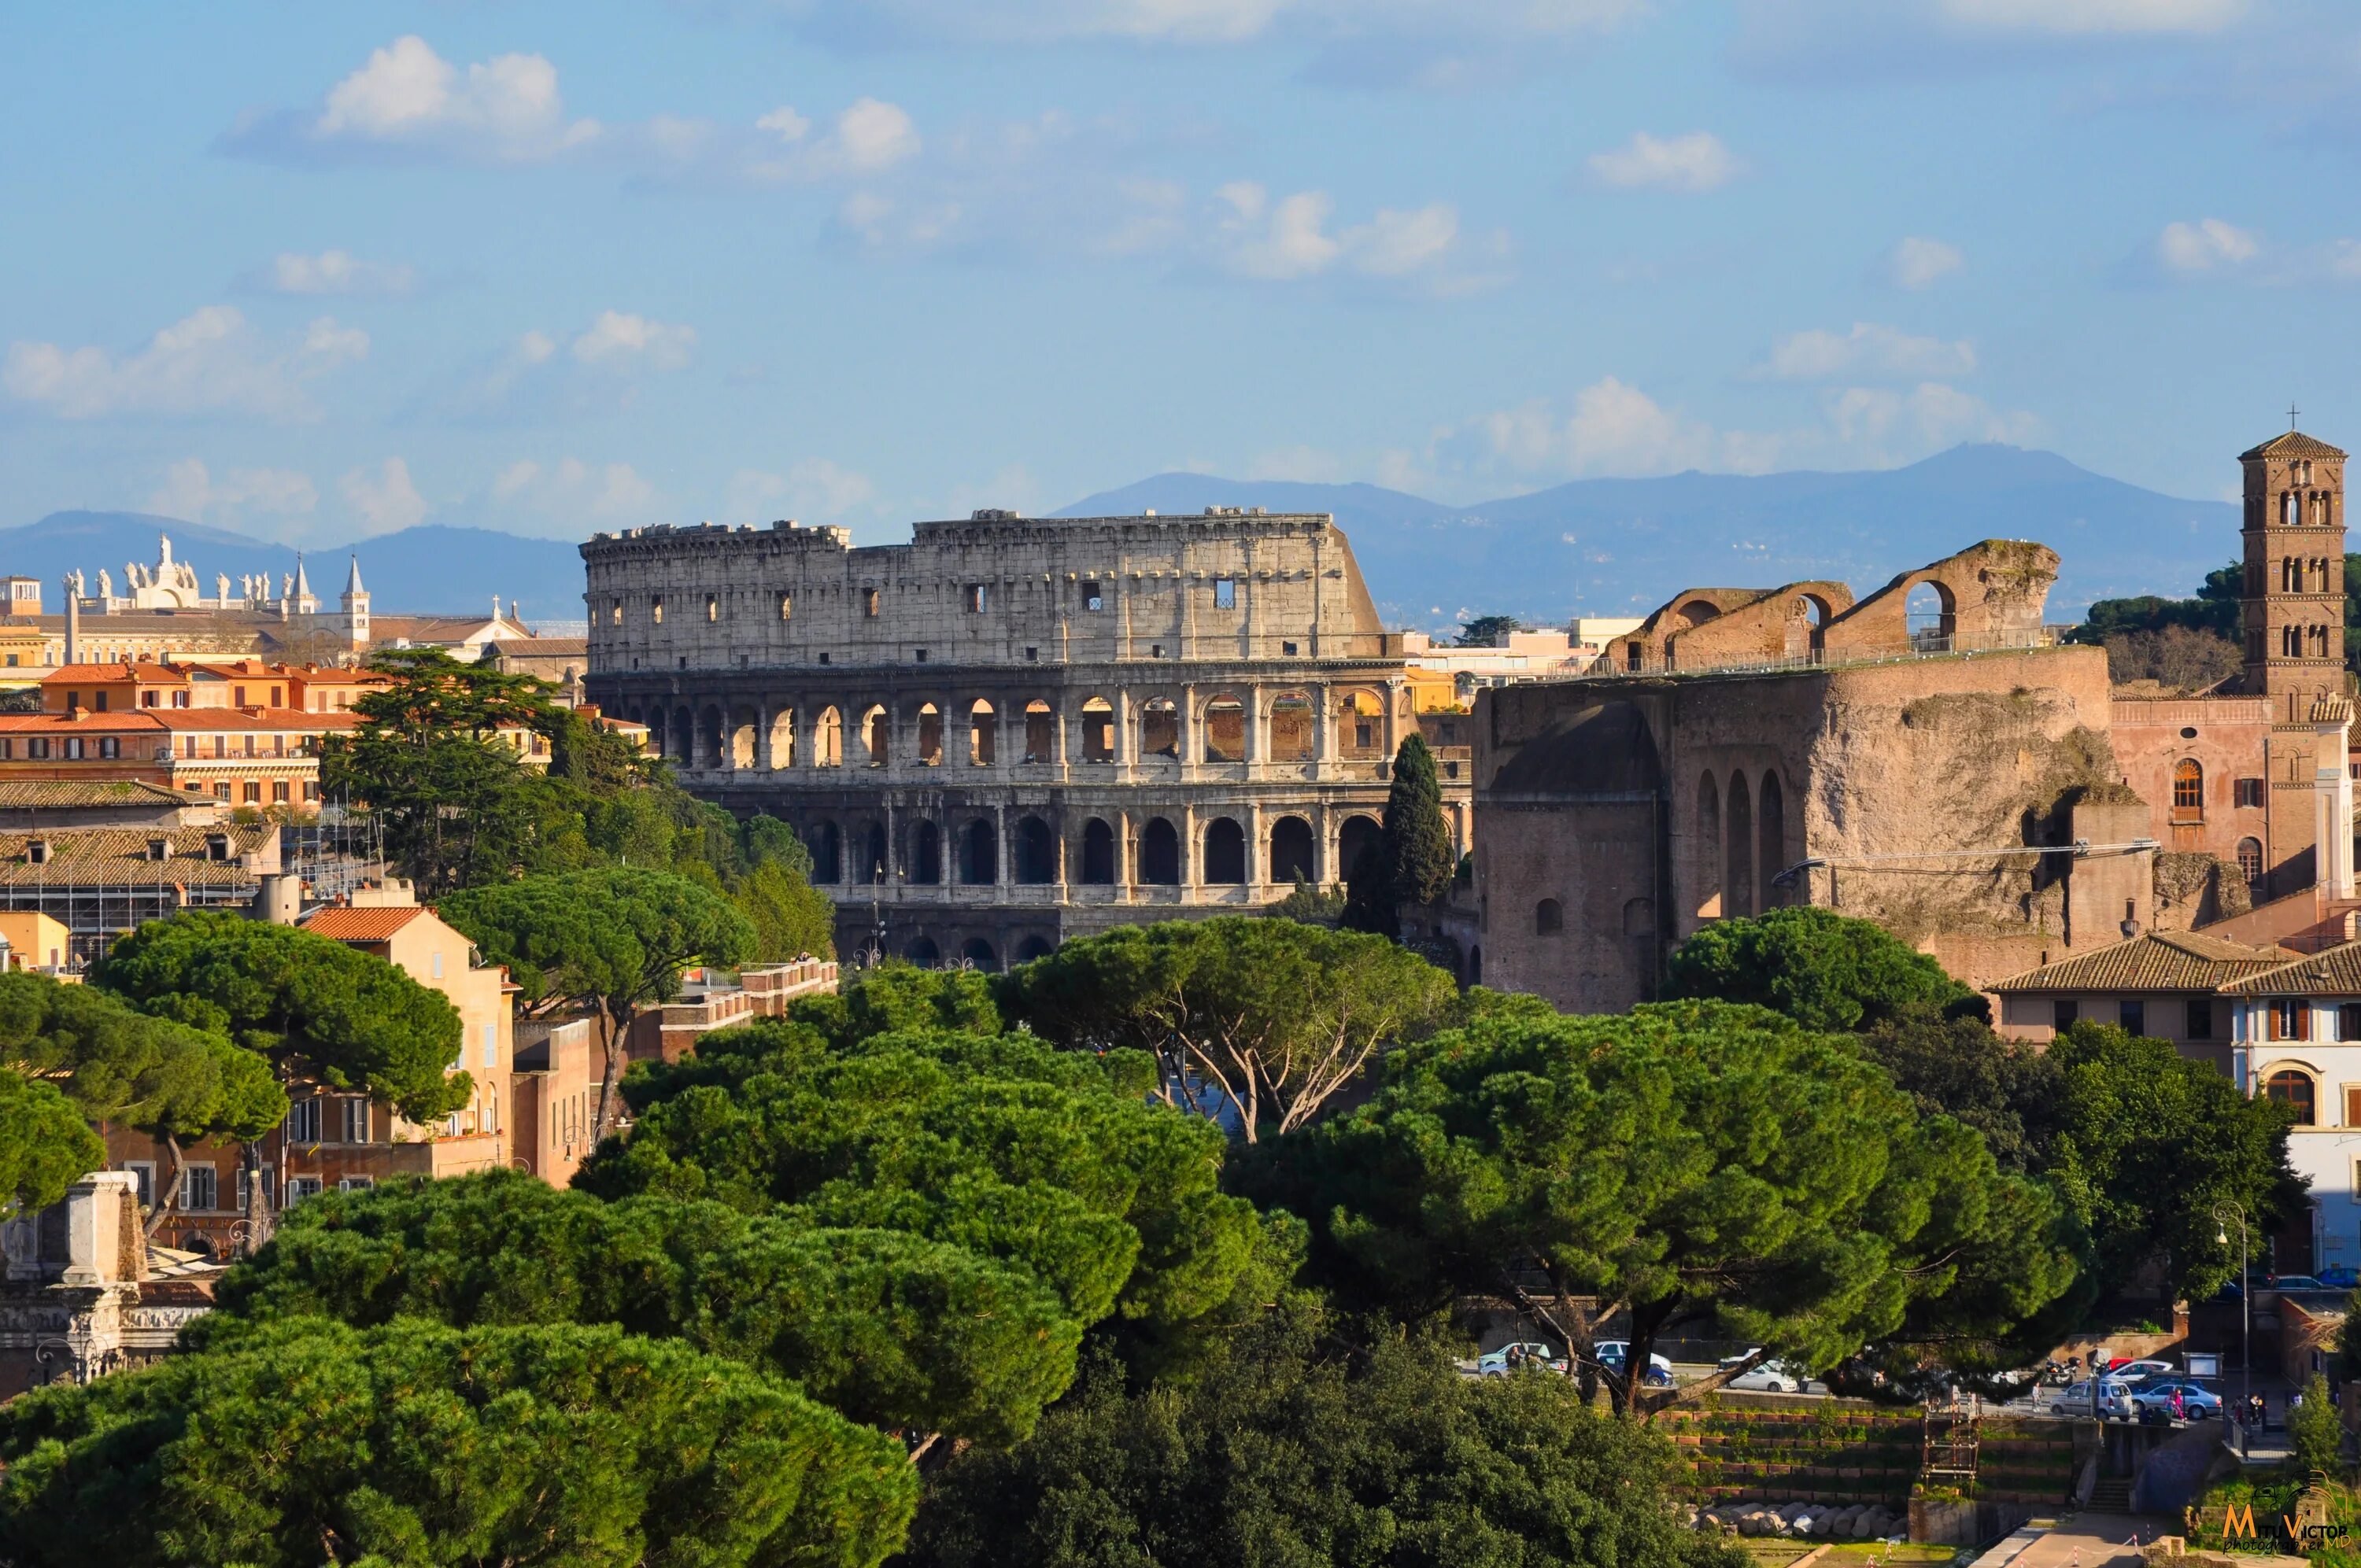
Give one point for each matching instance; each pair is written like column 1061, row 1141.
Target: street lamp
column 2246, row 1299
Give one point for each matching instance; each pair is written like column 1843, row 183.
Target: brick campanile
column 2294, row 604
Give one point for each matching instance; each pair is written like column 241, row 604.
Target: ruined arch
column 978, row 855
column 1293, row 724
column 1225, row 728
column 1034, row 855
column 982, row 734
column 923, row 952
column 872, row 864
column 876, row 730
column 826, row 842
column 745, row 723
column 1040, row 732
column 1159, row 728
column 926, row 853
column 1549, row 917
column 1706, row 857
column 1030, row 948
column 710, row 733
column 1098, row 730
column 1357, row 834
column 1738, row 870
column 783, row 738
column 976, row 953
column 930, row 735
column 1771, row 836
column 827, row 738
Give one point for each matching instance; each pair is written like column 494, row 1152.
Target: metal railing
column 1921, row 645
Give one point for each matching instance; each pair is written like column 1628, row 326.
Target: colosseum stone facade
column 1015, row 730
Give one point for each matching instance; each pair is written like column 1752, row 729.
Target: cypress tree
column 1418, row 858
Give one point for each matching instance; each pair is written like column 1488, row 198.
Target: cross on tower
column 2290, row 418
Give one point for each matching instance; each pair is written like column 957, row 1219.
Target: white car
column 1540, row 1357
column 1772, row 1376
column 2114, row 1400
column 2138, row 1372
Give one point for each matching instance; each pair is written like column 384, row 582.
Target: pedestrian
column 2180, row 1405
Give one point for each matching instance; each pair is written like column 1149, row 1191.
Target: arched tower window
column 2188, row 789
column 2250, row 860
column 1549, row 917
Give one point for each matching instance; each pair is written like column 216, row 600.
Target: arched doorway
column 1771, row 834
column 1098, row 853
column 978, row 952
column 926, row 854
column 827, row 846
column 872, row 854
column 1036, row 852
column 979, row 854
column 1290, row 850
column 1159, row 853
column 1225, row 852
column 1358, row 834
column 924, row 953
column 1740, row 867
column 1032, row 948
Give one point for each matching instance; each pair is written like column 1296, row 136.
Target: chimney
column 74, row 624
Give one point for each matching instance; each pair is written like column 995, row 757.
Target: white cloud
column 2072, row 17
column 1918, row 263
column 1694, row 161
column 868, row 137
column 211, row 362
column 1253, row 235
column 1928, row 416
column 191, row 491
column 1868, row 349
column 408, row 101
column 618, row 339
column 386, row 500
column 813, row 487
column 335, row 272
column 2205, row 249
column 1208, row 22
column 571, row 490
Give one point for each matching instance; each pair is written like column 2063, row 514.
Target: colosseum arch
column 926, row 853
column 1033, row 857
column 1707, row 855
column 827, row 738
column 979, row 854
column 1159, row 728
column 1098, row 730
column 783, row 738
column 1290, row 850
column 1225, row 852
column 1771, row 836
column 1738, row 869
column 982, row 734
column 1293, row 725
column 876, row 731
column 1225, row 728
column 1159, row 853
column 1098, row 853
column 930, row 735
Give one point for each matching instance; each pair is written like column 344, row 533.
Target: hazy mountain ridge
column 1624, row 546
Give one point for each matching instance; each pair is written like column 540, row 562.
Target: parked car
column 1613, row 1351
column 2298, row 1282
column 2138, row 1373
column 1773, row 1377
column 1500, row 1364
column 2153, row 1400
column 2114, row 1400
column 2340, row 1277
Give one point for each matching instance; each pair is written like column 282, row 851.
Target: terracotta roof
column 85, row 718
column 122, row 670
column 88, row 856
column 543, row 647
column 2333, row 972
column 63, row 793
column 344, row 923
column 250, row 719
column 2179, row 960
column 385, row 629
column 2294, row 443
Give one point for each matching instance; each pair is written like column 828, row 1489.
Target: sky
column 318, row 272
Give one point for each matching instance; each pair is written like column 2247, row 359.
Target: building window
column 109, row 747
column 492, row 1044
column 2064, row 1012
column 200, row 1188
column 2293, row 1088
column 712, row 607
column 2134, row 1015
column 269, row 1187
column 1032, row 655
column 434, row 963
column 1287, row 649
column 253, row 793
column 1226, row 593
column 1091, row 599
column 1549, row 917
column 2188, row 789
column 74, row 748
column 615, row 613
column 303, row 1122
column 38, row 749
column 2201, row 1017
column 2290, row 1018
column 143, row 1171
column 355, row 1183
column 2249, row 792
column 655, row 609
column 786, row 606
column 869, row 601
column 300, row 1188
column 978, row 598
column 279, row 794
column 2250, row 860
column 355, row 1128
column 2348, row 1021
column 310, row 791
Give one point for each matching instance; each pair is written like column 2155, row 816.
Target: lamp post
column 2246, row 1301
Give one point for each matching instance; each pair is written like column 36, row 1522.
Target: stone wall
column 1013, row 729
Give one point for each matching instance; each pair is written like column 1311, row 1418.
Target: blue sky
column 317, row 272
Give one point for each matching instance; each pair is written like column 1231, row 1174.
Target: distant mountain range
column 1624, row 546
column 1592, row 547
column 425, row 570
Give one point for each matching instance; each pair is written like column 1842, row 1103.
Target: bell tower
column 2294, row 572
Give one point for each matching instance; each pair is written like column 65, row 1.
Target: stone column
column 1250, row 745
column 762, row 737
column 1192, row 869
column 1192, row 744
column 1323, row 854
column 1258, row 849
column 1323, row 721
column 1123, row 745
column 1000, row 847
column 1123, row 859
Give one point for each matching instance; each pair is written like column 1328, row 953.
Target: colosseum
column 1015, row 730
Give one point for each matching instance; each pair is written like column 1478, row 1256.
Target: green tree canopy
column 895, row 995
column 1488, row 631
column 308, row 1440
column 45, row 1145
column 1693, row 1163
column 1260, row 1022
column 919, row 1336
column 1044, row 1158
column 2148, row 1143
column 1824, row 970
column 1301, row 1446
column 611, row 940
column 456, row 805
column 315, row 1010
column 2007, row 1091
column 120, row 1065
column 1415, row 839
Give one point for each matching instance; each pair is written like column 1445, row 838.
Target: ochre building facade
column 1011, row 729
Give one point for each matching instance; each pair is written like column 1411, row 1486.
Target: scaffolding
column 1954, row 1433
